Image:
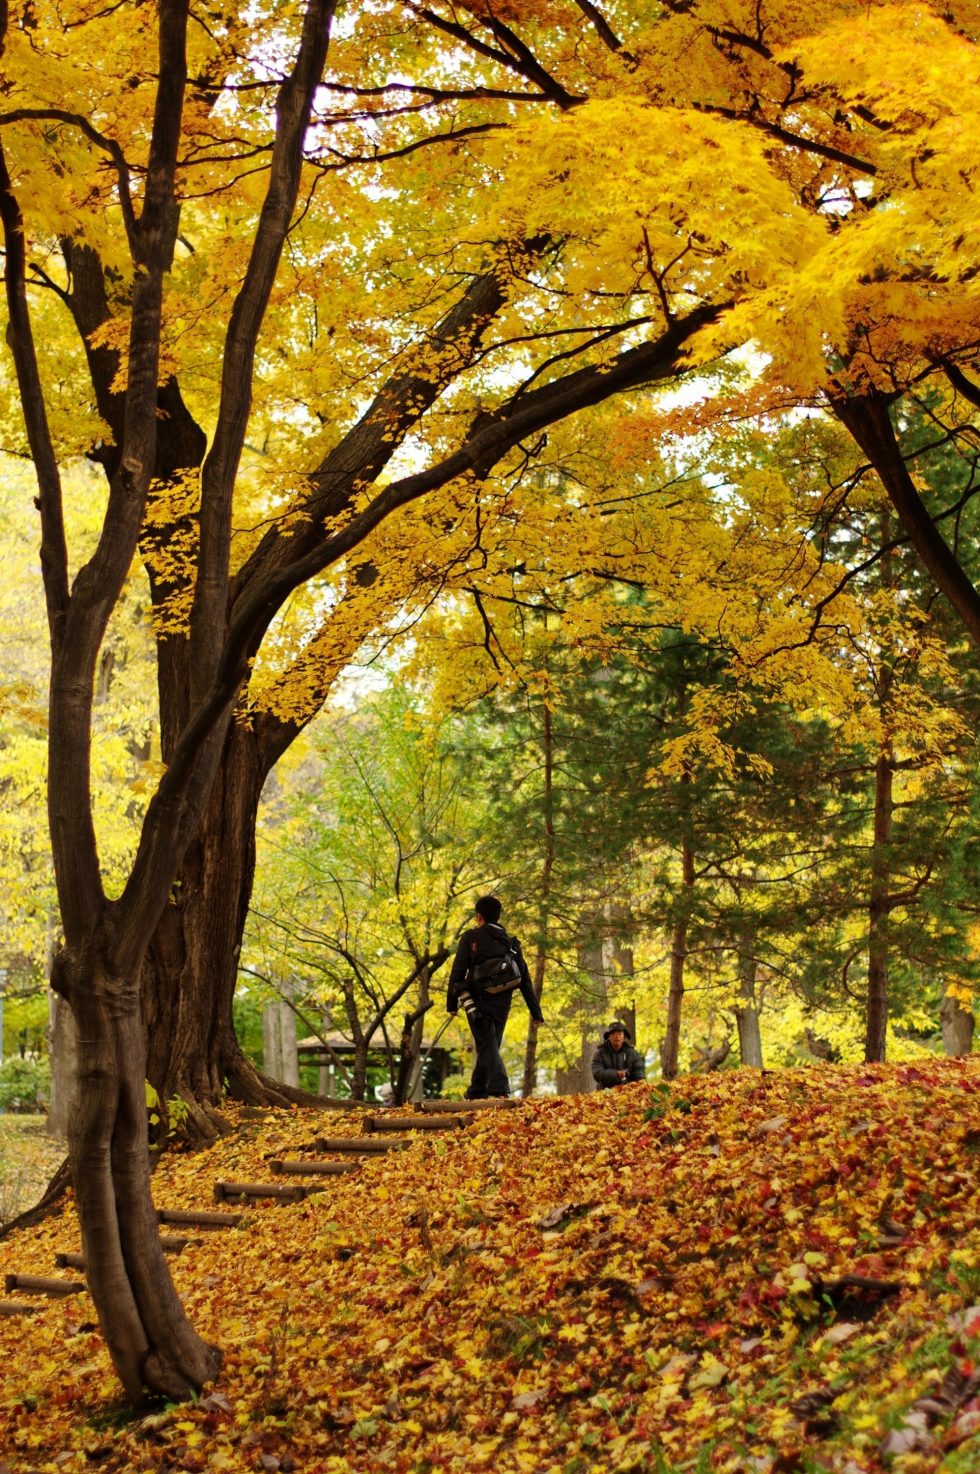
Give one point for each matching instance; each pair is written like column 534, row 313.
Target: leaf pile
column 764, row 1272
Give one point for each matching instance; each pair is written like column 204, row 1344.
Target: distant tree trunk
column 530, row 1077
column 271, row 1040
column 747, row 1010
column 957, row 1023
column 678, row 956
column 878, row 910
column 358, row 1071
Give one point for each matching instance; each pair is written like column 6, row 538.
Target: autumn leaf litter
column 748, row 1271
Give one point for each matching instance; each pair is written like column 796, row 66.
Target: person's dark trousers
column 487, row 1026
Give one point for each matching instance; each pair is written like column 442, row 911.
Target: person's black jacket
column 607, row 1062
column 479, row 944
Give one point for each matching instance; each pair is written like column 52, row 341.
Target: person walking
column 616, row 1062
column 487, row 970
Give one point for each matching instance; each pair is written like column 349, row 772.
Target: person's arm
column 638, row 1067
column 457, row 977
column 527, row 987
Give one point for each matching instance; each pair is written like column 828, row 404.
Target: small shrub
column 454, row 1087
column 25, row 1085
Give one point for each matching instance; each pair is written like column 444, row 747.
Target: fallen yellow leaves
column 808, row 1291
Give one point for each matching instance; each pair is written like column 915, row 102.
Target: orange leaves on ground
column 762, row 1270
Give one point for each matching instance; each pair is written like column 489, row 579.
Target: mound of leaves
column 763, row 1272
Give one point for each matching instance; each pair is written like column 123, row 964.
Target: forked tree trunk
column 148, row 1335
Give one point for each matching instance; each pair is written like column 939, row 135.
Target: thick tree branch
column 867, row 419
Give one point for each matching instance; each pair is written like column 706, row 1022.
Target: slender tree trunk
column 878, row 909
column 359, row 1073
column 544, row 914
column 747, row 1011
column 957, row 1023
column 678, row 956
column 418, row 1034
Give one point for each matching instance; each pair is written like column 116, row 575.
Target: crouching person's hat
column 617, row 1025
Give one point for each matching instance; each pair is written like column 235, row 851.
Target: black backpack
column 495, row 974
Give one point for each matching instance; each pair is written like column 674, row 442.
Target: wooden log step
column 314, row 1169
column 169, row 1243
column 495, row 1103
column 280, row 1192
column 361, row 1146
column 18, row 1307
column 192, row 1218
column 415, row 1123
column 36, row 1284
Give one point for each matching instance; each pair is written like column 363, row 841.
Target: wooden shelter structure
column 326, row 1050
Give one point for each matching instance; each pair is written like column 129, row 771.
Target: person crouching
column 616, row 1062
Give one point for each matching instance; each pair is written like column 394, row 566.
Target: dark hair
column 489, row 908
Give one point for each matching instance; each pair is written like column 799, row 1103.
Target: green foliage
column 24, row 1085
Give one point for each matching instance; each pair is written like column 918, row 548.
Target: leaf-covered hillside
column 746, row 1271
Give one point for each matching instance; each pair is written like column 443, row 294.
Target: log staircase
column 382, row 1132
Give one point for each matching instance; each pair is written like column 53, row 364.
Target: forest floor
column 28, row 1159
column 763, row 1272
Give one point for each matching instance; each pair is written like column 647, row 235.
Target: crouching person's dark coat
column 608, row 1062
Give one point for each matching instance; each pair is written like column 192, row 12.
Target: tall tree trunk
column 191, row 967
column 878, row 908
column 957, row 1023
column 747, row 1011
column 530, row 1077
column 678, row 956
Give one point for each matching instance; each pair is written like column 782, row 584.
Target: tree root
column 252, row 1087
column 48, row 1204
